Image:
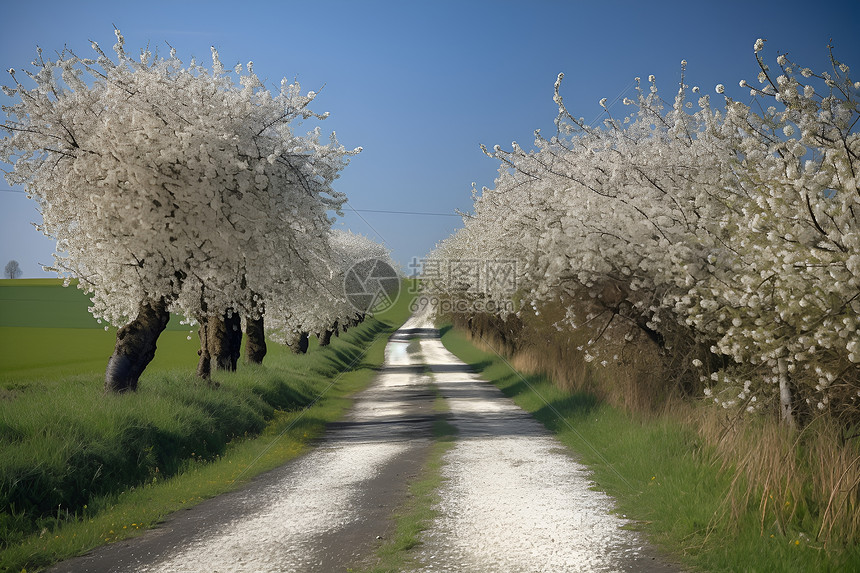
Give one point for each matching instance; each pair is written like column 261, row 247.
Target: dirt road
column 513, row 499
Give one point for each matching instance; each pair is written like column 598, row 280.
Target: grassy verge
column 79, row 469
column 661, row 476
column 416, row 514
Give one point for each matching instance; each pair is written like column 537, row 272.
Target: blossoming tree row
column 176, row 188
column 738, row 223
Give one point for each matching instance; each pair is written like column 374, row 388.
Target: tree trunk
column 786, row 415
column 225, row 340
column 302, row 344
column 220, row 343
column 204, row 365
column 135, row 346
column 255, row 340
column 233, row 327
column 324, row 337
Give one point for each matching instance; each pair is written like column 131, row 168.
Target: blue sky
column 420, row 85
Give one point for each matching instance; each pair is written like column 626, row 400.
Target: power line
column 386, row 211
column 408, row 212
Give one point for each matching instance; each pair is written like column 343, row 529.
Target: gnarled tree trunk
column 301, row 345
column 325, row 337
column 228, row 351
column 135, row 346
column 220, row 343
column 255, row 340
column 204, row 365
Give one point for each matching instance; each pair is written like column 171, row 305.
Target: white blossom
column 666, row 216
column 165, row 181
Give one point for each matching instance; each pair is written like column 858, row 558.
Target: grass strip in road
column 660, row 475
column 417, row 513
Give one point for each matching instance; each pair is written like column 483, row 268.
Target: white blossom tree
column 739, row 226
column 172, row 188
column 322, row 306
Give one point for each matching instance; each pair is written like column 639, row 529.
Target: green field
column 45, row 303
column 46, row 333
column 79, row 468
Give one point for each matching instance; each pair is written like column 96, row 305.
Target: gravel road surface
column 513, row 499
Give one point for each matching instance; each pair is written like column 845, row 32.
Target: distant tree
column 12, row 270
column 322, row 306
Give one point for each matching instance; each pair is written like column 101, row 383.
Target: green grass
column 45, row 303
column 47, row 335
column 660, row 475
column 53, row 354
column 79, row 468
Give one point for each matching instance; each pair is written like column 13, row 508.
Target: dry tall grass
column 802, row 481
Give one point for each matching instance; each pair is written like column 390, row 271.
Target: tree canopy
column 735, row 223
column 162, row 180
